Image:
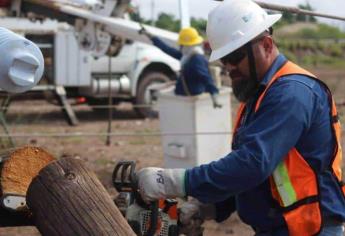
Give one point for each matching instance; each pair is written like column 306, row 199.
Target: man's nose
column 229, row 67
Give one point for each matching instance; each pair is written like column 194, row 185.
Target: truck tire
column 144, row 98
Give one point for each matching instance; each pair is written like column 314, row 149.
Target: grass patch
column 102, row 162
column 328, row 54
column 139, row 141
column 76, row 139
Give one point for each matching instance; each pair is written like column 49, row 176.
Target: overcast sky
column 200, row 8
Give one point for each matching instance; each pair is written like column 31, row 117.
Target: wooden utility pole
column 67, row 199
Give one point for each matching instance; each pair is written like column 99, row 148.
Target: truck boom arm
column 113, row 25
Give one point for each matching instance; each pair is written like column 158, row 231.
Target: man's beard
column 244, row 88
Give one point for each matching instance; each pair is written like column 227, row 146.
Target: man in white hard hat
column 283, row 176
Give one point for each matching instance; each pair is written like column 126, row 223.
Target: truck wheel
column 144, row 97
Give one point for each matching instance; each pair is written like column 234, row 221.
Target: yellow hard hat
column 189, row 37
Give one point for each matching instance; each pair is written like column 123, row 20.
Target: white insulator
column 21, row 63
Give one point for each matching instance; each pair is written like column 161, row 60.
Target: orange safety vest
column 294, row 183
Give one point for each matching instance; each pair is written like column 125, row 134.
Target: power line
column 82, row 106
column 101, row 134
column 42, row 107
column 297, row 10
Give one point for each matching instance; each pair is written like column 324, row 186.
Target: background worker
column 283, row 176
column 195, row 77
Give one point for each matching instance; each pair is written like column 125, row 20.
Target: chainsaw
column 158, row 218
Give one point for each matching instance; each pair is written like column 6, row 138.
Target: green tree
column 199, row 24
column 288, row 17
column 168, row 22
column 303, row 17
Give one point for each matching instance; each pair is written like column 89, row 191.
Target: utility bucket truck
column 78, row 38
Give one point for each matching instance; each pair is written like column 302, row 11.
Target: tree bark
column 67, row 199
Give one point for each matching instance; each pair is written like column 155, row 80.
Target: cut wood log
column 20, row 167
column 67, row 199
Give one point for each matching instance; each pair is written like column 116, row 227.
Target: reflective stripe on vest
column 283, row 184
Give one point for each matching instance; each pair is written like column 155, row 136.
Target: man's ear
column 268, row 44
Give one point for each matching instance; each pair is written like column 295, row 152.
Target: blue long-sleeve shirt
column 293, row 113
column 195, row 71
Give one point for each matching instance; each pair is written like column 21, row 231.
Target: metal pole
column 184, row 13
column 297, row 10
column 153, row 12
column 110, row 101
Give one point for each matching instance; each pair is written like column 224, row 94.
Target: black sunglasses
column 235, row 57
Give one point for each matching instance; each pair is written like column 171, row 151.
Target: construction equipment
column 156, row 218
column 77, row 37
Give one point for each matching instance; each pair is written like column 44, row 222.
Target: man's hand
column 157, row 183
column 192, row 215
column 215, row 101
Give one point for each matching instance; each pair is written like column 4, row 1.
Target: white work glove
column 215, row 101
column 192, row 215
column 157, row 183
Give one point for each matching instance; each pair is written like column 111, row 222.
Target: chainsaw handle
column 127, row 178
column 153, row 219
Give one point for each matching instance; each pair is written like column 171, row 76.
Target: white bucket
column 195, row 132
column 21, row 62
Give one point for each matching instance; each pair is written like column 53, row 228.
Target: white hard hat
column 21, row 64
column 233, row 23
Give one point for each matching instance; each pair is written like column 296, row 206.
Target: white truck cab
column 137, row 67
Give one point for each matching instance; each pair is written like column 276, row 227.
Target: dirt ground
column 38, row 116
